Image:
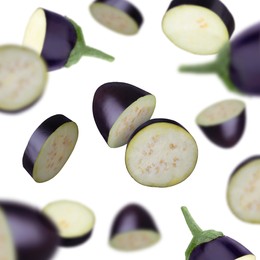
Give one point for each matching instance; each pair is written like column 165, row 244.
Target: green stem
column 210, row 67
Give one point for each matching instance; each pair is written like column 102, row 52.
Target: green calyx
column 81, row 49
column 199, row 236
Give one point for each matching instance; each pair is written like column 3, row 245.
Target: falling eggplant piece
column 161, row 153
column 243, row 190
column 223, row 122
column 58, row 39
column 49, row 147
column 133, row 229
column 119, row 108
column 74, row 221
column 237, row 64
column 208, row 28
column 26, row 233
column 23, row 77
column 118, row 15
column 212, row 244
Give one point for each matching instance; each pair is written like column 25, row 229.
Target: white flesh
column 246, row 257
column 220, row 112
column 114, row 19
column 72, row 219
column 55, row 152
column 243, row 192
column 133, row 116
column 7, row 249
column 134, row 240
column 23, row 77
column 195, row 29
column 35, row 31
column 161, row 155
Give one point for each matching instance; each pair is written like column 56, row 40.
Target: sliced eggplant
column 26, row 233
column 49, row 147
column 223, row 122
column 243, row 190
column 118, row 15
column 74, row 221
column 161, row 153
column 58, row 39
column 119, row 108
column 200, row 27
column 23, row 77
column 133, row 229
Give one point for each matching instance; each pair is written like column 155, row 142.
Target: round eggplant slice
column 200, row 27
column 161, row 153
column 74, row 221
column 223, row 122
column 58, row 39
column 49, row 147
column 118, row 15
column 243, row 190
column 133, row 229
column 26, row 233
column 23, row 77
column 119, row 108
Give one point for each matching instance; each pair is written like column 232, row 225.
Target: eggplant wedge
column 119, row 108
column 133, row 229
column 49, row 147
column 208, row 28
column 161, row 153
column 223, row 122
column 117, row 15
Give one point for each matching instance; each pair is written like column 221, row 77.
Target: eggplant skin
column 222, row 247
column 75, row 241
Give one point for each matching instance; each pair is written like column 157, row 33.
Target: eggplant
column 133, row 228
column 243, row 190
column 237, row 64
column 117, row 15
column 119, row 108
column 223, row 122
column 74, row 221
column 23, row 78
column 208, row 28
column 161, row 153
column 26, row 233
column 58, row 39
column 212, row 244
column 49, row 147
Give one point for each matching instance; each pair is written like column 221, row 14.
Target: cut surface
column 247, row 257
column 161, row 154
column 195, row 29
column 133, row 116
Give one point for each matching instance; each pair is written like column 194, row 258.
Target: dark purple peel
column 76, row 241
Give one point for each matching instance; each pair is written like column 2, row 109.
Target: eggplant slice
column 74, row 221
column 161, row 153
column 200, row 27
column 50, row 147
column 223, row 122
column 118, row 15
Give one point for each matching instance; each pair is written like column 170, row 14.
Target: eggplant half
column 200, row 27
column 74, row 221
column 133, row 229
column 23, row 77
column 58, row 39
column 26, row 233
column 119, row 108
column 212, row 244
column 223, row 122
column 161, row 153
column 243, row 190
column 117, row 15
column 49, row 147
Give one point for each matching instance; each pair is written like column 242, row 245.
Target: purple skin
column 75, row 241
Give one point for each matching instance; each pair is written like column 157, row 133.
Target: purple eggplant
column 237, row 64
column 58, row 39
column 212, row 244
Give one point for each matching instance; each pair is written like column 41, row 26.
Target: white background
column 95, row 174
